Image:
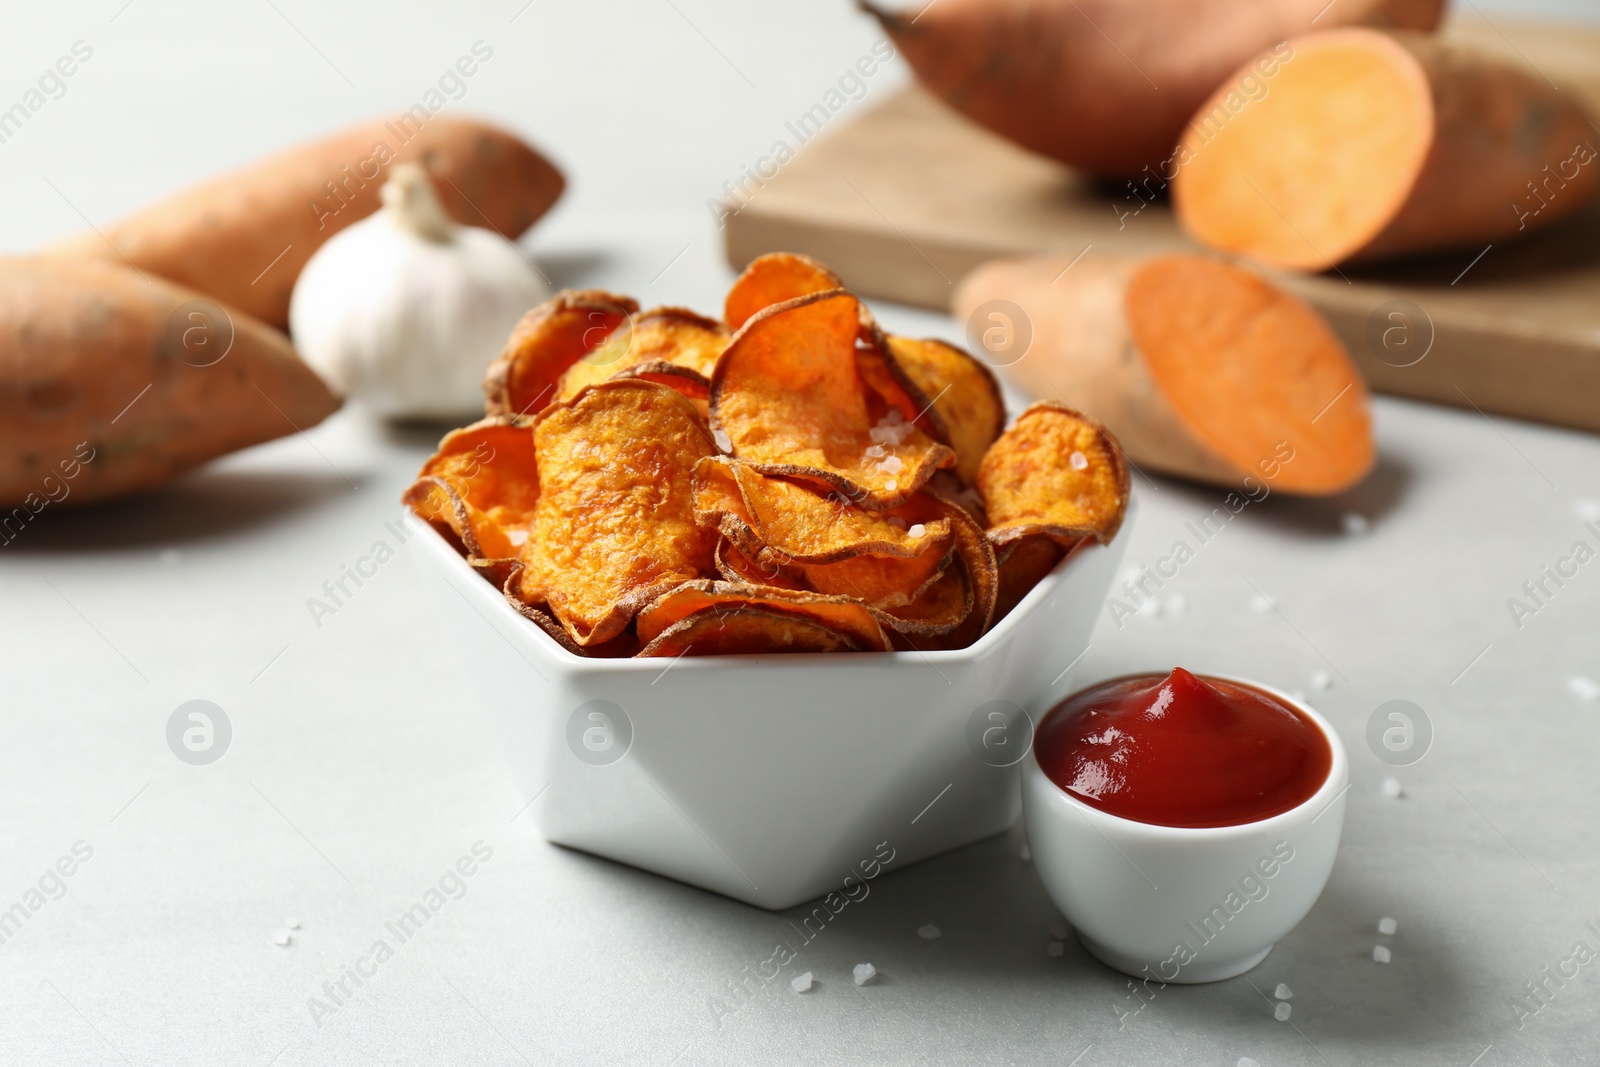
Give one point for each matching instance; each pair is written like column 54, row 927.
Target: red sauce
column 1183, row 751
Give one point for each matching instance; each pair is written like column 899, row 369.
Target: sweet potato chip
column 841, row 614
column 549, row 339
column 615, row 526
column 482, row 485
column 747, row 631
column 670, row 346
column 964, row 393
column 772, row 279
column 789, row 400
column 1022, row 563
column 735, row 566
column 1057, row 473
column 957, row 609
column 796, row 524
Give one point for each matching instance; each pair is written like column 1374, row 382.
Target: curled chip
column 671, row 346
column 549, row 339
column 840, row 614
column 772, row 279
column 735, row 566
column 747, row 631
column 795, row 524
column 965, row 397
column 882, row 582
column 482, row 485
column 1023, row 563
column 614, row 526
column 791, row 401
column 956, row 610
column 1055, row 473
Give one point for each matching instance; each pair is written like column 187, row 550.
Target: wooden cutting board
column 904, row 200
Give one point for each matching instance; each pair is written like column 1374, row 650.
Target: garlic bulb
column 406, row 308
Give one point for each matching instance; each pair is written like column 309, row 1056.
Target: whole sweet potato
column 112, row 382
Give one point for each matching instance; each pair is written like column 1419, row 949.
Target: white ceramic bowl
column 1182, row 904
column 771, row 779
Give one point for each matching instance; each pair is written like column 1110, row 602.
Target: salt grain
column 928, row 932
column 1055, row 948
column 863, row 973
column 918, row 530
column 1079, row 461
column 293, row 924
column 876, row 451
column 1246, row 1061
column 801, row 982
column 1177, row 604
column 1281, row 1012
column 1260, row 604
column 1583, row 687
column 724, row 442
column 1321, row 680
column 1380, row 954
column 280, row 938
column 517, row 537
column 1355, row 524
column 1283, row 992
column 892, row 464
column 891, row 485
column 1387, row 926
column 1392, row 789
column 1149, row 609
column 1586, row 510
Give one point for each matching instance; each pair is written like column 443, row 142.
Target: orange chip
column 1057, row 473
column 791, row 401
column 957, row 609
column 735, row 566
column 671, row 346
column 615, row 524
column 964, row 394
column 549, row 339
column 772, row 279
column 482, row 484
column 794, row 524
column 747, row 631
column 1022, row 563
column 841, row 614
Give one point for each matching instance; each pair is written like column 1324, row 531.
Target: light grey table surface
column 360, row 767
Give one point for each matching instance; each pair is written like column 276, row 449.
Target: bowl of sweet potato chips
column 657, row 546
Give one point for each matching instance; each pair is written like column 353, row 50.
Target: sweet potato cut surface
column 962, row 390
column 747, row 631
column 129, row 381
column 773, row 279
column 614, row 526
column 1107, row 85
column 789, row 398
column 551, row 338
column 1055, row 473
column 243, row 237
column 670, row 346
column 838, row 613
column 483, row 484
column 1254, row 374
column 1371, row 145
column 1247, row 378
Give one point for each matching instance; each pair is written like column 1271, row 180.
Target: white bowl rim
column 1331, row 789
column 936, row 657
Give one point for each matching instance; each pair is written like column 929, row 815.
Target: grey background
column 360, row 768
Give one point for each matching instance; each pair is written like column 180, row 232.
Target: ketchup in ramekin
column 1183, row 750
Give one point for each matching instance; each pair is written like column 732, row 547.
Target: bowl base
column 1192, row 974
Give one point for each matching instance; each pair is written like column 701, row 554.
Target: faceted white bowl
column 771, row 779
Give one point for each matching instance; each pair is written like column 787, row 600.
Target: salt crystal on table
column 928, row 932
column 1058, row 931
column 1283, row 992
column 1281, row 1013
column 1177, row 603
column 281, row 937
column 1261, row 604
column 1586, row 510
column 293, row 924
column 1026, row 855
column 1355, row 524
column 1380, row 954
column 1246, row 1061
column 1583, row 687
column 1149, row 609
column 1391, row 788
column 862, row 973
column 1321, row 680
column 800, row 982
column 1387, row 925
column 1055, row 949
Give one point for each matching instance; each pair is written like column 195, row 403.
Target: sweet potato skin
column 95, row 380
column 1107, row 85
column 225, row 236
